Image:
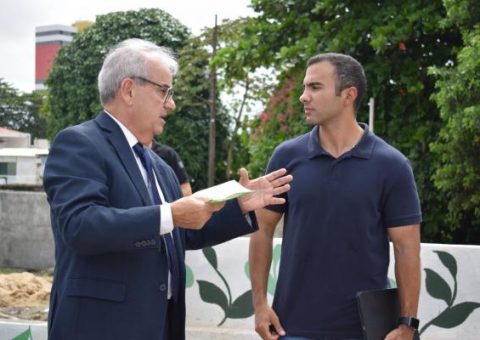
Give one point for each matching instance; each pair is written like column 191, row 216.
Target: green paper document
column 223, row 192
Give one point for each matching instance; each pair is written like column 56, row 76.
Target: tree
column 242, row 85
column 187, row 127
column 72, row 83
column 457, row 173
column 10, row 105
column 21, row 111
column 396, row 41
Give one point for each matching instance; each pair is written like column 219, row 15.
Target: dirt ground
column 24, row 296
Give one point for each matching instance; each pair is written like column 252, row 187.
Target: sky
column 18, row 19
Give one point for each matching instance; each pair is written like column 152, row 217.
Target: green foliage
column 187, row 129
column 72, row 82
column 73, row 95
column 457, row 170
column 21, row 111
column 281, row 120
column 396, row 41
column 241, row 85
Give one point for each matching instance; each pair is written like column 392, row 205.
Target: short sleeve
column 402, row 204
column 179, row 168
column 277, row 162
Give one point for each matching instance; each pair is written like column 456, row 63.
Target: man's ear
column 349, row 95
column 126, row 90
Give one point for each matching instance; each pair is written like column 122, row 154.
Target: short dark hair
column 349, row 73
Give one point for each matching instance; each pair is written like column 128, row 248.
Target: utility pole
column 213, row 111
column 371, row 113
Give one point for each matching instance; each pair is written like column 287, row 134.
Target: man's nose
column 170, row 105
column 304, row 97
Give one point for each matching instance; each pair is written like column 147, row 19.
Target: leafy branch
column 453, row 315
column 211, row 293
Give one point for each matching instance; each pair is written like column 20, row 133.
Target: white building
column 20, row 163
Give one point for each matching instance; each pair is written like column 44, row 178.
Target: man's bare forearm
column 260, row 258
column 407, row 270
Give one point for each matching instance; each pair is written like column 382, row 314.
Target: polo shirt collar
column 363, row 149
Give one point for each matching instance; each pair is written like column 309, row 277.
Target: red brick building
column 48, row 41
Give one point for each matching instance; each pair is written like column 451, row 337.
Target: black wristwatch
column 410, row 321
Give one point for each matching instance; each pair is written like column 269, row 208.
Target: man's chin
column 310, row 121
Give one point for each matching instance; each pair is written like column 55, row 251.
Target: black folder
column 379, row 312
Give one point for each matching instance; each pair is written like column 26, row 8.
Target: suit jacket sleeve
column 85, row 182
column 224, row 225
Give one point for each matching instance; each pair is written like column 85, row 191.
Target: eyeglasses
column 165, row 89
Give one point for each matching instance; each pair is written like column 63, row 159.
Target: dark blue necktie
column 172, row 255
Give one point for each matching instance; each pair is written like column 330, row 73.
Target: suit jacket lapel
column 169, row 196
column 116, row 137
column 162, row 181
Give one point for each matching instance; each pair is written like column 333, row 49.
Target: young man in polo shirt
column 351, row 193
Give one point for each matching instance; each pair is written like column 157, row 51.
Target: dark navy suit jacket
column 110, row 279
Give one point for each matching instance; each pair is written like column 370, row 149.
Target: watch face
column 409, row 321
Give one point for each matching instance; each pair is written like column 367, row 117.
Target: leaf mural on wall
column 209, row 292
column 456, row 315
column 437, row 287
column 242, row 307
column 273, row 274
column 26, row 335
column 211, row 256
column 189, row 280
column 448, row 261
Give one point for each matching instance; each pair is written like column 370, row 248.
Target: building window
column 8, row 169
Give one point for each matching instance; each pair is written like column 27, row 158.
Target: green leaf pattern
column 211, row 293
column 240, row 308
column 188, row 277
column 211, row 256
column 456, row 315
column 437, row 287
column 448, row 261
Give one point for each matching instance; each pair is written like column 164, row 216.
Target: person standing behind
column 351, row 192
column 119, row 221
column 171, row 157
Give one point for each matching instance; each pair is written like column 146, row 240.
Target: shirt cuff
column 248, row 218
column 166, row 219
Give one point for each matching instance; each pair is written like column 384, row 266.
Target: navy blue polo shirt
column 335, row 230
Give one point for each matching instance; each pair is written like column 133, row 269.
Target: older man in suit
column 120, row 225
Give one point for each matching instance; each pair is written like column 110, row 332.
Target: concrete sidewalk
column 10, row 329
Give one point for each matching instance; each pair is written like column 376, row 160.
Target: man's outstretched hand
column 265, row 187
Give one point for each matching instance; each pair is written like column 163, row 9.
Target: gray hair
column 349, row 73
column 129, row 59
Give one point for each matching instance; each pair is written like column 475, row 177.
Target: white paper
column 224, row 191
